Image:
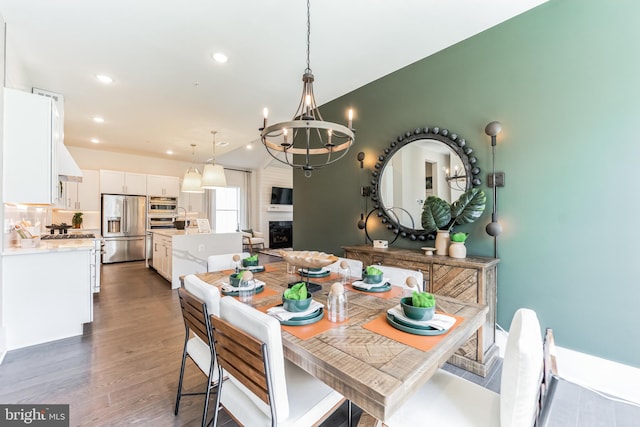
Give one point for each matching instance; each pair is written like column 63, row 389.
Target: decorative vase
column 442, row 242
column 457, row 250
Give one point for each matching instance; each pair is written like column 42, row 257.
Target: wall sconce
column 360, row 158
column 495, row 180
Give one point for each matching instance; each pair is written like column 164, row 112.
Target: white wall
column 271, row 176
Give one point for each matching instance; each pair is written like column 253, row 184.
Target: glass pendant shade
column 192, row 182
column 213, row 176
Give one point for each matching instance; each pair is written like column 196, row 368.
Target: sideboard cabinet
column 471, row 279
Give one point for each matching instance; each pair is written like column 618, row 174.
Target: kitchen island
column 46, row 291
column 180, row 252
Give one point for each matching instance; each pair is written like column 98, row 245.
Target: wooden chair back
column 244, row 357
column 195, row 315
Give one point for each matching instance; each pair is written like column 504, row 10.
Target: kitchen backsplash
column 39, row 217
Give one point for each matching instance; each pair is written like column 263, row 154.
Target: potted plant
column 76, row 221
column 438, row 215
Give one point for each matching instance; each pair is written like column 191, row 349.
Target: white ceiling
column 168, row 93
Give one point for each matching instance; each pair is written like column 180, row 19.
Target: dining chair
column 198, row 300
column 398, row 276
column 355, row 265
column 224, row 261
column 449, row 400
column 263, row 388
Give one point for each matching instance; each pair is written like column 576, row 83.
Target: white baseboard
column 593, row 372
column 3, row 343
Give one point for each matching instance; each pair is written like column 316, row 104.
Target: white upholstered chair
column 263, row 388
column 449, row 400
column 198, row 300
column 355, row 266
column 398, row 276
column 224, row 261
column 252, row 239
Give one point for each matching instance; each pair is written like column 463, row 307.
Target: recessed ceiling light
column 98, row 119
column 169, row 152
column 95, row 140
column 220, row 57
column 249, row 146
column 103, row 78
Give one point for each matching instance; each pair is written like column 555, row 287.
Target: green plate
column 403, row 322
column 384, row 288
column 310, row 318
column 254, row 268
column 235, row 293
column 391, row 319
column 305, row 273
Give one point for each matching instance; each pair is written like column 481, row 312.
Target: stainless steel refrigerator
column 123, row 227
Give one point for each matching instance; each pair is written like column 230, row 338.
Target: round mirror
column 420, row 163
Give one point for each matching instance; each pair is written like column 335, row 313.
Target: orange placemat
column 391, row 293
column 307, row 331
column 380, row 326
column 266, row 293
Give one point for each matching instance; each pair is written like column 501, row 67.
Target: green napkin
column 297, row 291
column 252, row 258
column 422, row 299
column 372, row 271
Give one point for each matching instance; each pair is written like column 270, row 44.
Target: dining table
column 377, row 370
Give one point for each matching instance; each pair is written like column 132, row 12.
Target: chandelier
column 307, row 142
column 456, row 180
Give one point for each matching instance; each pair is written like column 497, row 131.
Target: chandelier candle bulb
column 350, row 118
column 265, row 113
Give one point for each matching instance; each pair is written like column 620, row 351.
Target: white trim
column 593, row 372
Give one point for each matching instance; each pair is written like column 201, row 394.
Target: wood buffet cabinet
column 471, row 279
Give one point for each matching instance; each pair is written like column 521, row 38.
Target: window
column 227, row 209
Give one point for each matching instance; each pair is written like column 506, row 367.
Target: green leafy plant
column 372, row 271
column 251, row 258
column 76, row 221
column 459, row 237
column 422, row 299
column 437, row 214
column 297, row 291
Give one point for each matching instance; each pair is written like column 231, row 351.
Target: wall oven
column 163, row 205
column 161, row 213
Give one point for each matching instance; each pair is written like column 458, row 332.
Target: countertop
column 170, row 232
column 47, row 246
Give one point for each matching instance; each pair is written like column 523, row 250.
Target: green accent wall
column 564, row 80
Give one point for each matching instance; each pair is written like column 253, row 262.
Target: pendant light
column 192, row 182
column 212, row 174
column 313, row 142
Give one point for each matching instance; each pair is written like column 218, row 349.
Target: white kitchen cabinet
column 46, row 296
column 160, row 185
column 162, row 255
column 192, row 202
column 85, row 195
column 117, row 182
column 32, row 130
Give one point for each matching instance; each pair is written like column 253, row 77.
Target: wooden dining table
column 375, row 372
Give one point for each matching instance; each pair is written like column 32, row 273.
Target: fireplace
column 280, row 234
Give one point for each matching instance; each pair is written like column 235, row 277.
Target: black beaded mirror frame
column 453, row 141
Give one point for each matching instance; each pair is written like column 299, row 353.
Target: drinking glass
column 247, row 290
column 291, row 269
